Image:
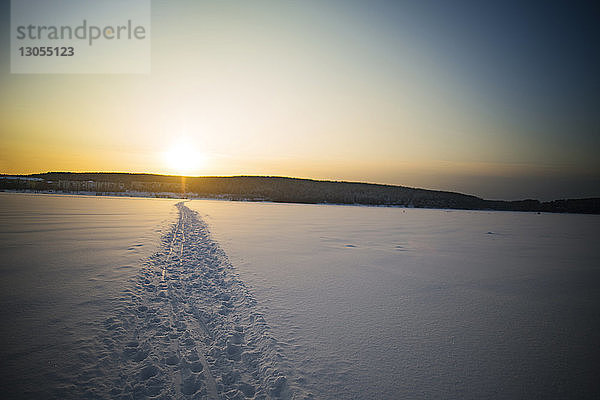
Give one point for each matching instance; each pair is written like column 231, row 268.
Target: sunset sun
column 183, row 158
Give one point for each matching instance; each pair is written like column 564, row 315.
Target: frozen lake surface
column 65, row 261
column 139, row 298
column 112, row 298
column 391, row 303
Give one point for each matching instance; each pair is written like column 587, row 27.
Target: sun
column 183, row 158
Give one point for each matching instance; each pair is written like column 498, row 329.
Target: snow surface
column 65, row 262
column 178, row 325
column 393, row 303
column 118, row 298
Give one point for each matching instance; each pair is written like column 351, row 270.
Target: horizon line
column 290, row 177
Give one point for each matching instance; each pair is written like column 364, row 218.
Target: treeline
column 289, row 190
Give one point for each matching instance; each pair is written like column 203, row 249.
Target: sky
column 495, row 99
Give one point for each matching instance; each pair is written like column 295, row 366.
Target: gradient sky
column 497, row 100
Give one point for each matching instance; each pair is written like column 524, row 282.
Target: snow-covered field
column 90, row 314
column 65, row 262
column 149, row 298
column 390, row 303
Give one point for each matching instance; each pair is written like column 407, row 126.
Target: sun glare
column 182, row 158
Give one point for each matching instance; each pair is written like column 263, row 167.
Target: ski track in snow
column 188, row 328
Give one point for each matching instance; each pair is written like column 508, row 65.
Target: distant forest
column 280, row 189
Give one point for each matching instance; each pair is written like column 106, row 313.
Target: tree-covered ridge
column 282, row 189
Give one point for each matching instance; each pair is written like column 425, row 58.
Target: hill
column 282, row 189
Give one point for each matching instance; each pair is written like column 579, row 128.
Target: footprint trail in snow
column 188, row 329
